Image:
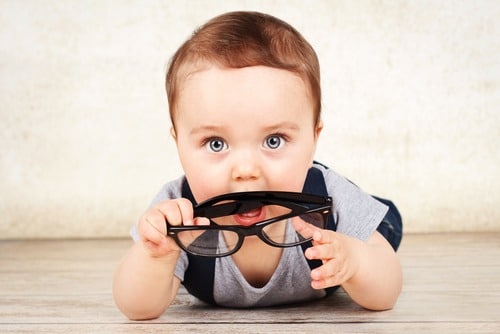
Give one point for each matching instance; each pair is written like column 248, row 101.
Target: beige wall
column 411, row 107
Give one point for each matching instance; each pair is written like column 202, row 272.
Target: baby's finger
column 328, row 275
column 322, row 252
column 303, row 228
column 152, row 227
column 201, row 221
column 329, row 268
column 321, row 236
column 177, row 212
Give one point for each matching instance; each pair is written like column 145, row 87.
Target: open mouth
column 250, row 217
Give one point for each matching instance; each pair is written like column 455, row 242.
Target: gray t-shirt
column 356, row 213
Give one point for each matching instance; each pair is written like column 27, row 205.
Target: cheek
column 293, row 176
column 289, row 177
column 205, row 182
column 200, row 187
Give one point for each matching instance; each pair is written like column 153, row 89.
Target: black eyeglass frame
column 299, row 204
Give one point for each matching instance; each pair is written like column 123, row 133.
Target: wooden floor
column 452, row 285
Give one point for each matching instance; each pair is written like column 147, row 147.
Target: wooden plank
column 452, row 284
column 249, row 328
column 413, row 306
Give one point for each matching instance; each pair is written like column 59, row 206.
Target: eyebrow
column 205, row 128
column 283, row 125
column 274, row 127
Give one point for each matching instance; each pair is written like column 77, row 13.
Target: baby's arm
column 144, row 283
column 370, row 272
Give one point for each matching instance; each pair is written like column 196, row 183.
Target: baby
column 245, row 100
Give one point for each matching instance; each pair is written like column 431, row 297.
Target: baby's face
column 244, row 129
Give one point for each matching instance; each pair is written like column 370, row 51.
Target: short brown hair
column 243, row 39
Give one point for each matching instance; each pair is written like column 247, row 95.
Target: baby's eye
column 216, row 145
column 274, row 142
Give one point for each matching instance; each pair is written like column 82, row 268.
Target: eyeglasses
column 280, row 219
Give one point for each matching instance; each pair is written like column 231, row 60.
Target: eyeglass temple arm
column 227, row 209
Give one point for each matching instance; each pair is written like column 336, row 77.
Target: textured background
column 411, row 107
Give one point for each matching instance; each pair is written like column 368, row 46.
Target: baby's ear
column 318, row 129
column 172, row 133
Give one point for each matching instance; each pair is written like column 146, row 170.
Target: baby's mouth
column 250, row 217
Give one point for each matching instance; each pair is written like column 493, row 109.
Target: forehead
column 205, row 85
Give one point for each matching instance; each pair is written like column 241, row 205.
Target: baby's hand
column 336, row 251
column 153, row 229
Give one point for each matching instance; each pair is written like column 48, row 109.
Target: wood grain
column 451, row 285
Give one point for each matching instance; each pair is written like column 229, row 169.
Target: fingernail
column 309, row 254
column 315, row 274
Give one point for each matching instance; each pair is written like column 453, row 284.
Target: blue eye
column 274, row 142
column 216, row 145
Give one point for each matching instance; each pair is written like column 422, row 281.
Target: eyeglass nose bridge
column 247, row 231
column 243, row 232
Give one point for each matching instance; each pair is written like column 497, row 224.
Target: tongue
column 250, row 214
column 250, row 217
